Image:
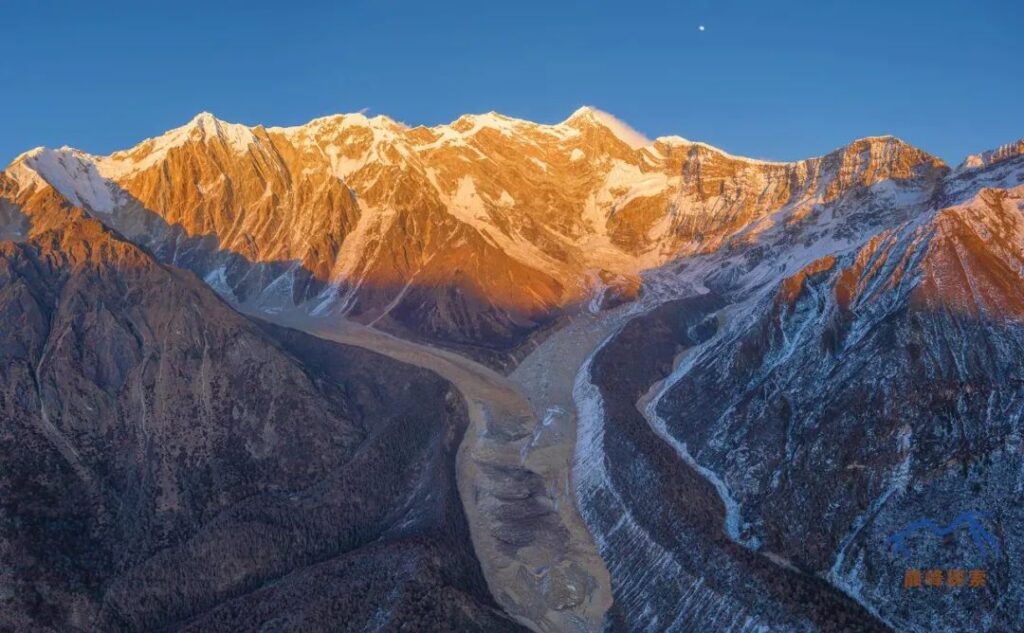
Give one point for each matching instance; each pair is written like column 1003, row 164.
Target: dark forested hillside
column 171, row 464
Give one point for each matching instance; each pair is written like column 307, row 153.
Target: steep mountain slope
column 475, row 234
column 793, row 361
column 661, row 523
column 172, row 465
column 803, row 424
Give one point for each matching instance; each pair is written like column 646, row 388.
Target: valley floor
column 515, row 468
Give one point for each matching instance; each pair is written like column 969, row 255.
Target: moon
column 701, row 27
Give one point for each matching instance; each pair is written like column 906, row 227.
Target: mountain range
column 495, row 375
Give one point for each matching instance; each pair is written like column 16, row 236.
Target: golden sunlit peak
column 622, row 130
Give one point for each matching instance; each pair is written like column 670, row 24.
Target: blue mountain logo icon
column 984, row 540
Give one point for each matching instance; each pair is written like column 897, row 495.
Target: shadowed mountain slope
column 172, row 465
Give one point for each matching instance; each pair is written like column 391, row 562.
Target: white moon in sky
column 701, row 27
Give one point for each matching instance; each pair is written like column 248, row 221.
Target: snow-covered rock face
column 588, row 116
column 72, row 173
column 475, row 233
column 868, row 390
column 990, row 157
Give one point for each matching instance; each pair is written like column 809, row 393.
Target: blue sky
column 779, row 79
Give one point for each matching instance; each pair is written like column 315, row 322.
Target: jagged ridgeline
column 474, row 235
column 605, row 383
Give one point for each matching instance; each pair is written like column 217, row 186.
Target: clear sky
column 773, row 79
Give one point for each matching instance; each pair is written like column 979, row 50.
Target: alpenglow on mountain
column 500, row 375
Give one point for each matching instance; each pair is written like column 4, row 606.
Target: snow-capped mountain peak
column 367, row 217
column 589, row 115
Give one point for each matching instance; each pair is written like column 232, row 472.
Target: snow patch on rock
column 72, row 173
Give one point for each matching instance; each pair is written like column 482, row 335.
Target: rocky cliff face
column 172, row 465
column 475, row 234
column 869, row 389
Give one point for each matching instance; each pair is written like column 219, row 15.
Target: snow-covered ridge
column 678, row 141
column 992, row 156
column 203, row 127
column 72, row 173
column 326, row 129
column 341, row 121
column 621, row 130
